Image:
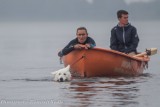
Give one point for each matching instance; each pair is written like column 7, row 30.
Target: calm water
column 28, row 54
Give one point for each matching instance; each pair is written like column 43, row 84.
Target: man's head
column 122, row 16
column 82, row 34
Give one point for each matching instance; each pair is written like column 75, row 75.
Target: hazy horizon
column 77, row 10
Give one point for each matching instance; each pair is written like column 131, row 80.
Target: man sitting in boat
column 82, row 41
column 124, row 37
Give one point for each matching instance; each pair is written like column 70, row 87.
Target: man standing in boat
column 82, row 41
column 124, row 37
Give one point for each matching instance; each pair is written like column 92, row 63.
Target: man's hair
column 120, row 12
column 82, row 28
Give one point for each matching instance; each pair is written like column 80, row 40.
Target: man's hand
column 88, row 46
column 79, row 46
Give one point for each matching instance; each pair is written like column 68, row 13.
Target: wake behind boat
column 99, row 62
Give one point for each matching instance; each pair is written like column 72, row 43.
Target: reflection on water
column 111, row 92
column 91, row 92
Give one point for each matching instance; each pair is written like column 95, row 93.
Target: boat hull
column 100, row 62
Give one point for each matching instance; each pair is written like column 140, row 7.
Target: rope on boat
column 78, row 60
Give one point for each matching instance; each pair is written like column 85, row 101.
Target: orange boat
column 99, row 62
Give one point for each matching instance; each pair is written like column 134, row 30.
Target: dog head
column 62, row 74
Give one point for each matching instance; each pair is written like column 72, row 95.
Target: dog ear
column 68, row 67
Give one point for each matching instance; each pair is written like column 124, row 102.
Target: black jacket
column 124, row 39
column 67, row 49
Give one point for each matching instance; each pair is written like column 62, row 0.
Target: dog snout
column 61, row 80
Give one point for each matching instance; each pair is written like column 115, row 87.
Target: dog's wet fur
column 62, row 75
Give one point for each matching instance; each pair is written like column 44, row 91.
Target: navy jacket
column 67, row 49
column 124, row 39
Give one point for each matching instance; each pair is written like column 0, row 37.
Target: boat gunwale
column 122, row 54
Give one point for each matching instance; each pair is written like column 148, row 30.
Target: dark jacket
column 70, row 47
column 124, row 39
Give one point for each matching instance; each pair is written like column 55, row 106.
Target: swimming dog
column 62, row 74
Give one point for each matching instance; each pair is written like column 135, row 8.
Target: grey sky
column 69, row 10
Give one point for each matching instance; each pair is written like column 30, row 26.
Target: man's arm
column 113, row 40
column 67, row 49
column 135, row 41
column 91, row 43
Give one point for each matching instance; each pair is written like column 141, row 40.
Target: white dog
column 62, row 74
